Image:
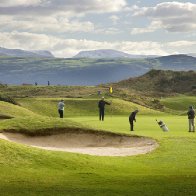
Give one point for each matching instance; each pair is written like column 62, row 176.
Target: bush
column 8, row 99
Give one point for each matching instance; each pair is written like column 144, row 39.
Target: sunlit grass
column 169, row 170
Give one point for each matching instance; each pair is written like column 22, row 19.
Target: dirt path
column 98, row 144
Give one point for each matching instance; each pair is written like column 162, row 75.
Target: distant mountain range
column 92, row 54
column 108, row 53
column 85, row 71
column 25, row 53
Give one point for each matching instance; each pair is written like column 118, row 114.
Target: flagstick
column 111, row 109
column 111, row 91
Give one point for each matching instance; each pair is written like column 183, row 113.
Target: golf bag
column 162, row 126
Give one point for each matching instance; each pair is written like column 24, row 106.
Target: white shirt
column 61, row 105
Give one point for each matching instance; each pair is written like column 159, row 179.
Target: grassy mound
column 80, row 107
column 179, row 104
column 26, row 121
column 9, row 109
column 161, row 82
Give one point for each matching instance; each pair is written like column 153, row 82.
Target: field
column 169, row 170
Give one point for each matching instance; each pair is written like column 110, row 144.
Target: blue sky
column 66, row 27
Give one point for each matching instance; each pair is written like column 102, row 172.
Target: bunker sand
column 96, row 143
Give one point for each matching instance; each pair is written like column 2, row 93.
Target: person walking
column 101, row 106
column 61, row 108
column 132, row 118
column 191, row 117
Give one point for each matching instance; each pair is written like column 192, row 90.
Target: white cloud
column 114, row 19
column 181, row 47
column 10, row 3
column 49, row 7
column 68, row 47
column 155, row 25
column 180, row 44
column 107, row 31
column 173, row 16
column 54, row 16
column 51, row 25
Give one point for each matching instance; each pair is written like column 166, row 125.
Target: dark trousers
column 131, row 125
column 61, row 113
column 101, row 114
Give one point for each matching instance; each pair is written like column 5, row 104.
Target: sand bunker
column 95, row 143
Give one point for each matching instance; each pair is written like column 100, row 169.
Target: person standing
column 61, row 108
column 132, row 118
column 191, row 117
column 101, row 106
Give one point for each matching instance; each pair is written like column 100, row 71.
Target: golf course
column 26, row 169
column 97, row 98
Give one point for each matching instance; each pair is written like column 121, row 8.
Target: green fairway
column 169, row 170
column 179, row 104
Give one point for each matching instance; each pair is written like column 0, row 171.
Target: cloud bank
column 171, row 16
column 67, row 26
column 70, row 47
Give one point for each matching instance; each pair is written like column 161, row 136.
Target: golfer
column 132, row 118
column 191, row 117
column 61, row 108
column 101, row 106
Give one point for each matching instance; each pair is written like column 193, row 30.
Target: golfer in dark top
column 191, row 117
column 101, row 106
column 132, row 118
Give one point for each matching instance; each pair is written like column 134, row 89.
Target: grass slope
column 170, row 170
column 80, row 106
column 162, row 82
column 24, row 120
column 178, row 104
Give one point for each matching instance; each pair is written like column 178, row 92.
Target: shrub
column 8, row 99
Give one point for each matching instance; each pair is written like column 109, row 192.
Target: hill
column 15, row 70
column 85, row 71
column 25, row 53
column 108, row 53
column 177, row 62
column 162, row 82
column 80, row 107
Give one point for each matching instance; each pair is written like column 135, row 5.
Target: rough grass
column 139, row 97
column 158, row 81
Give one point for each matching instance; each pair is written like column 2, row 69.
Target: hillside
column 25, row 53
column 19, row 70
column 177, row 62
column 162, row 82
column 108, row 53
column 80, row 106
